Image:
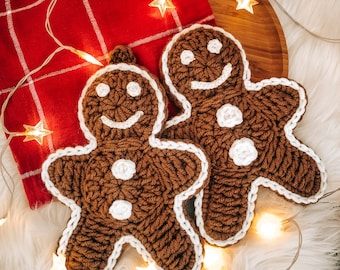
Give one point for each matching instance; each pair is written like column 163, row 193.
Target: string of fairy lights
column 267, row 225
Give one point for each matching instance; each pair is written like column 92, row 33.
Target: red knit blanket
column 51, row 95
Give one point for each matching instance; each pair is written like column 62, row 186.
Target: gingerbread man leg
column 167, row 242
column 95, row 244
column 223, row 207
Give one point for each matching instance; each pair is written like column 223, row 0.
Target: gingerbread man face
column 127, row 186
column 208, row 63
column 119, row 103
column 246, row 129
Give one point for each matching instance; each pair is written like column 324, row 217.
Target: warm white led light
column 2, row 221
column 213, row 258
column 247, row 5
column 151, row 266
column 162, row 5
column 37, row 133
column 269, row 226
column 58, row 262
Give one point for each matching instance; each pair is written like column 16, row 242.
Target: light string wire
column 291, row 220
column 327, row 39
column 294, row 222
column 3, row 170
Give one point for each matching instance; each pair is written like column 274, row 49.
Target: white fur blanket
column 28, row 238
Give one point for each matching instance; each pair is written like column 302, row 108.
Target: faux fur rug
column 29, row 237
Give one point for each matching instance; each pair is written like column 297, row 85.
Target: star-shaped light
column 162, row 5
column 247, row 5
column 37, row 133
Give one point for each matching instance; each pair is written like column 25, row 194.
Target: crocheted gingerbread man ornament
column 127, row 185
column 245, row 128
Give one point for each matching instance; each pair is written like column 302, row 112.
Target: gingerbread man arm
column 181, row 130
column 182, row 168
column 290, row 167
column 278, row 102
column 66, row 173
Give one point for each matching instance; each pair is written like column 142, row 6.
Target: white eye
column 214, row 46
column 102, row 90
column 187, row 57
column 133, row 89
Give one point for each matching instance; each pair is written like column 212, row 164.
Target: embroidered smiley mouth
column 199, row 85
column 122, row 125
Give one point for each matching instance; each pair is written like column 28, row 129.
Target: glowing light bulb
column 151, row 266
column 269, row 226
column 88, row 57
column 247, row 5
column 37, row 133
column 213, row 258
column 2, row 221
column 58, row 262
column 162, row 5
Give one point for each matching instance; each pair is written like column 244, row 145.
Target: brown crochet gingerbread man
column 127, row 185
column 245, row 128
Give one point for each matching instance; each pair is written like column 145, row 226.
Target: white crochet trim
column 121, row 209
column 124, row 124
column 155, row 142
column 288, row 128
column 134, row 243
column 229, row 116
column 123, row 169
column 198, row 85
column 243, row 152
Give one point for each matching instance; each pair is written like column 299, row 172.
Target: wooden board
column 260, row 34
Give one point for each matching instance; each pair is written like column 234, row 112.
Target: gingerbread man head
column 246, row 129
column 119, row 102
column 203, row 62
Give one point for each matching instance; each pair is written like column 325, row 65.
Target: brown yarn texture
column 160, row 175
column 265, row 114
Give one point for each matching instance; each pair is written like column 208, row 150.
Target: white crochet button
column 229, row 116
column 102, row 90
column 187, row 57
column 121, row 209
column 243, row 152
column 123, row 169
column 133, row 89
column 214, row 46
